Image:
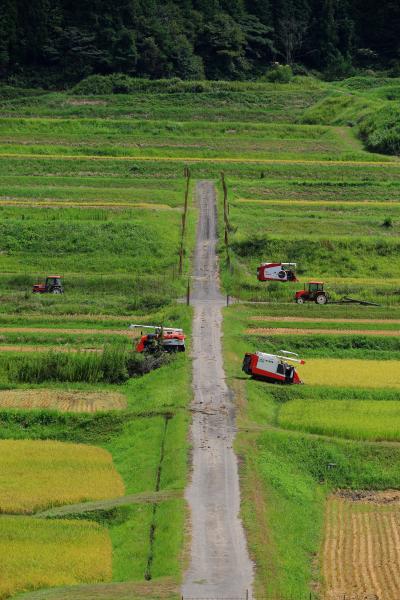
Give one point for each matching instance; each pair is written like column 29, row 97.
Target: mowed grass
column 351, row 373
column 39, row 474
column 354, row 419
column 36, row 553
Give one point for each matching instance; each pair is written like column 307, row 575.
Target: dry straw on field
column 351, row 372
column 36, row 553
column 361, row 549
column 87, row 402
column 36, row 475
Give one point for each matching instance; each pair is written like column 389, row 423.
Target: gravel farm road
column 220, row 566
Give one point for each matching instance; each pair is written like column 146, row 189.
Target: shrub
column 280, row 74
column 380, row 130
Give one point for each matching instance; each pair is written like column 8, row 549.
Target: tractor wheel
column 321, row 299
column 56, row 291
column 300, row 300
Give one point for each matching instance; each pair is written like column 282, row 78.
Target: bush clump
column 380, row 130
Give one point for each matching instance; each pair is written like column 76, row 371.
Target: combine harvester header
column 277, row 272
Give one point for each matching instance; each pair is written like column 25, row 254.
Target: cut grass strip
column 36, row 553
column 54, row 473
column 160, row 589
column 391, row 162
column 87, row 507
column 296, row 331
column 323, row 320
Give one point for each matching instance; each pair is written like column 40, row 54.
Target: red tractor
column 164, row 339
column 313, row 292
column 274, row 368
column 53, row 285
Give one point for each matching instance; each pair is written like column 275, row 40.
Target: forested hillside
column 54, row 42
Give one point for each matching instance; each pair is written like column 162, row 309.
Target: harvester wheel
column 56, row 291
column 321, row 299
column 300, row 300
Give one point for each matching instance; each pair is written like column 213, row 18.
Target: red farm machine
column 313, row 292
column 161, row 339
column 52, row 285
column 277, row 272
column 273, row 368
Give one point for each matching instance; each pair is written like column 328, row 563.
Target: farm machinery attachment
column 161, row 339
column 273, row 368
column 53, row 285
column 277, row 272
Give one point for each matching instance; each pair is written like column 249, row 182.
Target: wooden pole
column 188, row 293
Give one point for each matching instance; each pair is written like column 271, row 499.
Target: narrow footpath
column 220, row 566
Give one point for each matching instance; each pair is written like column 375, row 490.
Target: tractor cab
column 53, row 285
column 313, row 292
column 277, row 272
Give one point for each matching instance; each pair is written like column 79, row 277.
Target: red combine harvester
column 274, row 368
column 53, row 285
column 164, row 339
column 277, row 272
column 313, row 292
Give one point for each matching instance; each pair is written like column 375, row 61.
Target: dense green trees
column 55, row 41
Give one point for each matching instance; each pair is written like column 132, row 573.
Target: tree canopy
column 62, row 41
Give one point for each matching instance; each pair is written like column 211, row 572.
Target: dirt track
column 220, row 566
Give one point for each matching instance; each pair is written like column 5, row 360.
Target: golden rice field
column 35, row 553
column 36, row 475
column 356, row 419
column 87, row 402
column 351, row 372
column 361, row 548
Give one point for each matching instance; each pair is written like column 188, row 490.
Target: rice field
column 375, row 420
column 64, row 401
column 35, row 553
column 35, row 475
column 360, row 554
column 351, row 373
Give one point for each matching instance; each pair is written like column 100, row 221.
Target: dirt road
column 220, row 566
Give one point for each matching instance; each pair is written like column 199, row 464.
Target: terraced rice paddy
column 351, row 373
column 54, row 473
column 94, row 188
column 76, row 401
column 361, row 550
column 35, row 553
column 355, row 419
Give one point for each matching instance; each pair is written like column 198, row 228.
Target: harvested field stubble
column 361, row 549
column 64, row 401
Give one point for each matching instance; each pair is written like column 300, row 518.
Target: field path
column 220, row 566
